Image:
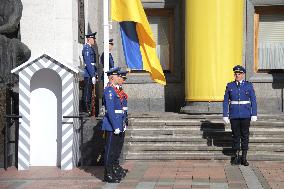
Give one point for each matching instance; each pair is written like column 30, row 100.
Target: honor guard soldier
column 123, row 97
column 112, row 125
column 111, row 61
column 90, row 71
column 239, row 108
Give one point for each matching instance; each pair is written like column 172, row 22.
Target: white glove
column 124, row 129
column 226, row 120
column 117, row 131
column 94, row 80
column 253, row 118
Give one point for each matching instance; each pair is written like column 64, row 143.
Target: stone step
column 201, row 155
column 197, row 131
column 207, row 129
column 170, row 115
column 186, row 138
column 171, row 136
column 192, row 123
column 214, row 137
column 134, row 147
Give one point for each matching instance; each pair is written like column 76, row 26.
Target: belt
column 124, row 108
column 118, row 111
column 240, row 102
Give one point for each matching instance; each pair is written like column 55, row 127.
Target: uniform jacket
column 233, row 98
column 114, row 115
column 124, row 98
column 89, row 56
column 111, row 62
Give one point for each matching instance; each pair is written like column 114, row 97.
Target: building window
column 161, row 23
column 81, row 22
column 269, row 38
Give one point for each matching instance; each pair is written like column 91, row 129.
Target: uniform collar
column 89, row 44
column 111, row 84
column 240, row 81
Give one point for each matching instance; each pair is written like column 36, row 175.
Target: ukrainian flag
column 137, row 38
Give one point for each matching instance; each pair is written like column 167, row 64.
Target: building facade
column 255, row 39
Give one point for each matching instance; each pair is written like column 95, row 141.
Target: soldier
column 90, row 71
column 123, row 97
column 112, row 125
column 239, row 108
column 111, row 61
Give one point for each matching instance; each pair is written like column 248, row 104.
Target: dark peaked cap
column 91, row 35
column 113, row 71
column 122, row 73
column 239, row 69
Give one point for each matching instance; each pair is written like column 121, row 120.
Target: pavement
column 178, row 174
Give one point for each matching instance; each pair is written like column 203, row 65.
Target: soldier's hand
column 94, row 80
column 253, row 118
column 117, row 131
column 226, row 120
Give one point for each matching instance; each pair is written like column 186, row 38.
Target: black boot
column 123, row 170
column 235, row 160
column 244, row 158
column 110, row 176
column 119, row 172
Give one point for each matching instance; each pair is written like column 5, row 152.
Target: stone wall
column 268, row 86
column 51, row 27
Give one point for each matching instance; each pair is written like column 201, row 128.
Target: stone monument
column 12, row 53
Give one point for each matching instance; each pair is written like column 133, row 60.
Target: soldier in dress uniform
column 239, row 108
column 111, row 61
column 123, row 97
column 112, row 125
column 90, row 71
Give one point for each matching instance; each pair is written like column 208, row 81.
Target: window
column 161, row 23
column 269, row 38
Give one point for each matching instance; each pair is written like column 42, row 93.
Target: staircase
column 172, row 136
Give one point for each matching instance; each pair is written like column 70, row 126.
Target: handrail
column 81, row 116
column 7, row 140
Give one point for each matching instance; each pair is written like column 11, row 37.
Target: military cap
column 122, row 74
column 239, row 69
column 113, row 71
column 91, row 35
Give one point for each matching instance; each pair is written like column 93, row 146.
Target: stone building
column 57, row 28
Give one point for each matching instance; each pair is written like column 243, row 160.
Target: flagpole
column 106, row 39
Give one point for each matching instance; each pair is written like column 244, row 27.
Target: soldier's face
column 91, row 41
column 120, row 80
column 239, row 76
column 110, row 47
column 116, row 79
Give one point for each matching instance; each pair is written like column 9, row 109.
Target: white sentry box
column 48, row 90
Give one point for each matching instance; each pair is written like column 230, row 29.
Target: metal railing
column 80, row 129
column 14, row 119
column 10, row 120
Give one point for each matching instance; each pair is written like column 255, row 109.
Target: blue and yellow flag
column 137, row 38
